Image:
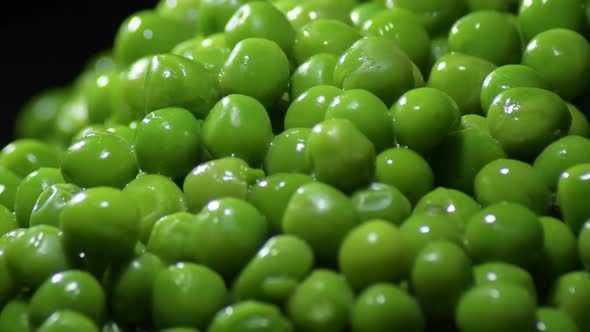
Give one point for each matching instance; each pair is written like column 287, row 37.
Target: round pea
column 309, row 108
column 574, row 183
column 24, row 156
column 323, row 36
column 185, row 11
column 51, row 202
column 558, row 156
column 318, row 69
column 286, row 153
column 571, row 294
column 67, row 321
column 302, row 13
column 171, row 238
column 250, row 316
column 362, row 12
column 494, row 272
column 381, row 201
column 437, row 16
column 214, row 14
column 451, row 201
column 15, row 316
column 30, row 188
column 559, row 254
column 551, row 319
column 537, row 16
column 580, row 125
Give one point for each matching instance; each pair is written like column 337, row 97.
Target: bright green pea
column 451, row 201
column 304, row 12
column 185, row 11
column 368, row 248
column 321, row 303
column 494, row 272
column 506, row 77
column 573, row 184
column 228, row 231
column 318, row 69
column 405, row 29
column 171, row 238
column 14, row 316
column 364, row 11
column 69, row 290
column 250, row 316
column 381, row 201
column 384, row 307
column 24, row 156
column 461, row 76
column 130, row 84
column 571, row 294
column 322, row 216
column 51, row 202
column 309, row 108
column 323, row 36
column 97, row 216
column 175, row 81
column 405, row 170
column 129, row 286
column 553, row 320
column 496, row 307
column 286, row 152
column 146, row 32
column 518, row 228
column 30, row 188
column 98, row 97
column 156, row 196
column 498, row 5
column 211, row 52
column 36, row 119
column 67, row 321
column 437, row 16
column 422, row 117
column 377, row 65
column 9, row 182
column 562, row 59
column 93, row 129
column 187, row 294
column 276, row 270
column 474, row 121
column 560, row 155
column 580, row 125
column 536, row 16
column 7, row 220
column 257, row 68
column 584, row 245
column 214, row 14
column 100, row 160
column 487, row 34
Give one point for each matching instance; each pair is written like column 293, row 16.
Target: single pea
column 451, row 201
column 461, row 76
column 580, row 124
column 36, row 119
column 517, row 226
column 487, row 34
column 474, row 121
column 270, row 195
column 571, row 294
column 584, row 245
column 175, row 81
column 93, row 129
column 536, row 16
column 381, row 201
column 30, row 188
column 406, row 170
column 146, row 32
column 494, row 272
column 286, row 152
column 185, row 11
column 98, row 216
column 506, row 77
column 322, row 302
column 496, row 307
column 100, row 160
column 368, row 248
column 498, row 5
column 24, row 156
column 422, row 117
column 377, row 65
column 551, row 319
column 249, row 123
column 573, row 184
column 14, row 316
column 69, row 290
column 7, row 220
column 437, row 16
column 304, row 12
column 259, row 61
column 187, row 294
column 250, row 316
column 9, row 182
column 364, row 11
column 51, row 202
column 128, row 286
column 98, row 97
column 130, row 100
column 405, row 29
column 67, row 321
column 214, row 14
column 218, row 178
column 323, row 36
column 321, row 215
column 276, row 270
column 512, row 181
column 309, row 108
column 171, row 238
column 558, row 156
column 318, row 69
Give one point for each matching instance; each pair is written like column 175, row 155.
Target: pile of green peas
column 309, row 166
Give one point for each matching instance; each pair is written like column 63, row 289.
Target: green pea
column 218, row 178
column 72, row 117
column 286, row 153
column 256, row 60
column 211, row 52
column 496, row 307
column 381, row 201
column 364, row 11
column 571, row 294
column 439, row 46
column 494, row 272
column 7, row 220
column 377, row 65
column 100, row 160
column 67, row 321
column 9, row 287
column 498, row 5
column 322, row 302
column 550, row 319
column 461, row 76
column 128, row 286
column 51, row 202
column 560, row 155
column 305, row 12
column 574, row 183
column 580, row 125
column 584, row 245
column 318, row 69
column 323, row 36
column 98, row 216
column 171, row 238
column 517, row 226
column 537, row 16
column 30, row 188
column 185, row 11
column 405, row 170
column 276, row 270
column 385, row 307
column 24, row 156
column 450, row 201
column 98, row 97
column 368, row 248
column 130, row 83
column 14, row 316
column 214, row 14
column 250, row 316
column 422, row 117
column 321, row 215
column 146, row 32
column 187, row 294
column 474, row 121
column 175, row 81
column 309, row 108
column 437, row 16
column 9, row 182
column 69, row 290
column 36, row 119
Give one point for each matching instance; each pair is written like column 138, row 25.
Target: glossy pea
column 318, row 69
column 572, row 184
column 474, row 121
column 302, row 13
column 214, row 14
column 30, row 188
column 580, row 125
column 9, row 182
column 14, row 316
column 7, row 220
column 451, row 201
column 494, row 272
column 67, row 321
column 171, row 238
column 558, row 156
column 98, row 97
column 570, row 293
column 24, row 156
column 185, row 11
column 51, row 202
column 309, row 108
column 551, row 319
column 250, row 316
column 437, row 16
column 568, row 14
column 286, row 152
column 209, row 52
column 323, row 36
column 381, row 201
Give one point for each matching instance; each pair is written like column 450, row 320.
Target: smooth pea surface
column 381, row 201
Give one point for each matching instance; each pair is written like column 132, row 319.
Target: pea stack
column 307, row 166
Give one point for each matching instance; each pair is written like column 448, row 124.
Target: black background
column 45, row 44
